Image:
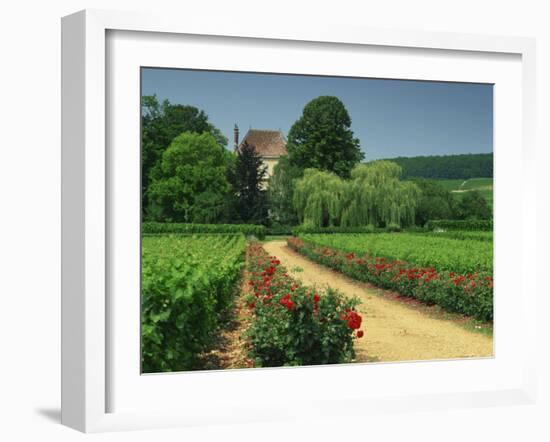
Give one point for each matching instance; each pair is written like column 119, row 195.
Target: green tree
column 161, row 123
column 377, row 196
column 373, row 196
column 435, row 202
column 281, row 192
column 322, row 138
column 472, row 205
column 318, row 198
column 462, row 166
column 247, row 177
column 191, row 181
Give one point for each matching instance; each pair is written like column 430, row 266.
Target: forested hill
column 448, row 166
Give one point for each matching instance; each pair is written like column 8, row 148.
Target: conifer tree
column 247, row 177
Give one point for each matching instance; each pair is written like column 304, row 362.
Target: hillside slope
column 461, row 167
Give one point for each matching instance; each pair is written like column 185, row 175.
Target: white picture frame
column 86, row 204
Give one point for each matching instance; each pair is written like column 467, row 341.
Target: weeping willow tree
column 381, row 197
column 374, row 195
column 318, row 198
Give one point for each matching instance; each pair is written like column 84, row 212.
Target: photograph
column 301, row 220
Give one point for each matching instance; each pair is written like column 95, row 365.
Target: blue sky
column 390, row 117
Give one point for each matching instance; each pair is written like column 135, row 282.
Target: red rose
column 354, row 320
column 287, row 302
column 360, row 333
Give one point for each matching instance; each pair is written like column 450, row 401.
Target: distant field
column 450, row 184
column 477, row 183
column 483, row 185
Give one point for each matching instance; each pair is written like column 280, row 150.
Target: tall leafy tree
column 373, row 196
column 472, row 205
column 161, row 123
column 190, row 184
column 377, row 196
column 281, row 193
column 435, row 202
column 322, row 138
column 247, row 177
column 318, row 198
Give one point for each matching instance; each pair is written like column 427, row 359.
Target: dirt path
column 393, row 330
column 230, row 349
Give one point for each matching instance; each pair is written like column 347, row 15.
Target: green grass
column 477, row 184
column 450, row 184
column 471, row 184
column 483, row 185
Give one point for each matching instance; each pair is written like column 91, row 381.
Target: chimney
column 236, row 137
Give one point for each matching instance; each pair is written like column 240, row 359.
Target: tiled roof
column 268, row 143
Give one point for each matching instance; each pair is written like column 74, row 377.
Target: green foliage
column 472, row 205
column 393, row 227
column 464, row 234
column 447, row 184
column 470, row 293
column 377, row 196
column 293, row 324
column 446, row 224
column 477, row 183
column 447, row 166
column 327, row 230
column 461, row 256
column 318, row 198
column 483, row 185
column 160, row 124
column 435, row 202
column 322, row 138
column 247, row 176
column 373, row 196
column 187, row 282
column 190, row 184
column 281, row 192
column 279, row 230
column 180, row 228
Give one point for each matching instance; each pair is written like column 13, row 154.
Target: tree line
column 462, row 167
column 189, row 176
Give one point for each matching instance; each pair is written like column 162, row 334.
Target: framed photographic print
column 291, row 222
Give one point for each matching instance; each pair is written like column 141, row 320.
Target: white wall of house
column 270, row 163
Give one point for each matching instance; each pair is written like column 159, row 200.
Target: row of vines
column 454, row 274
column 441, row 251
column 187, row 284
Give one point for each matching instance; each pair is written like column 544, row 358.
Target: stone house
column 270, row 145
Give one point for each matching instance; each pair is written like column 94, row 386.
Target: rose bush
column 293, row 324
column 470, row 294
